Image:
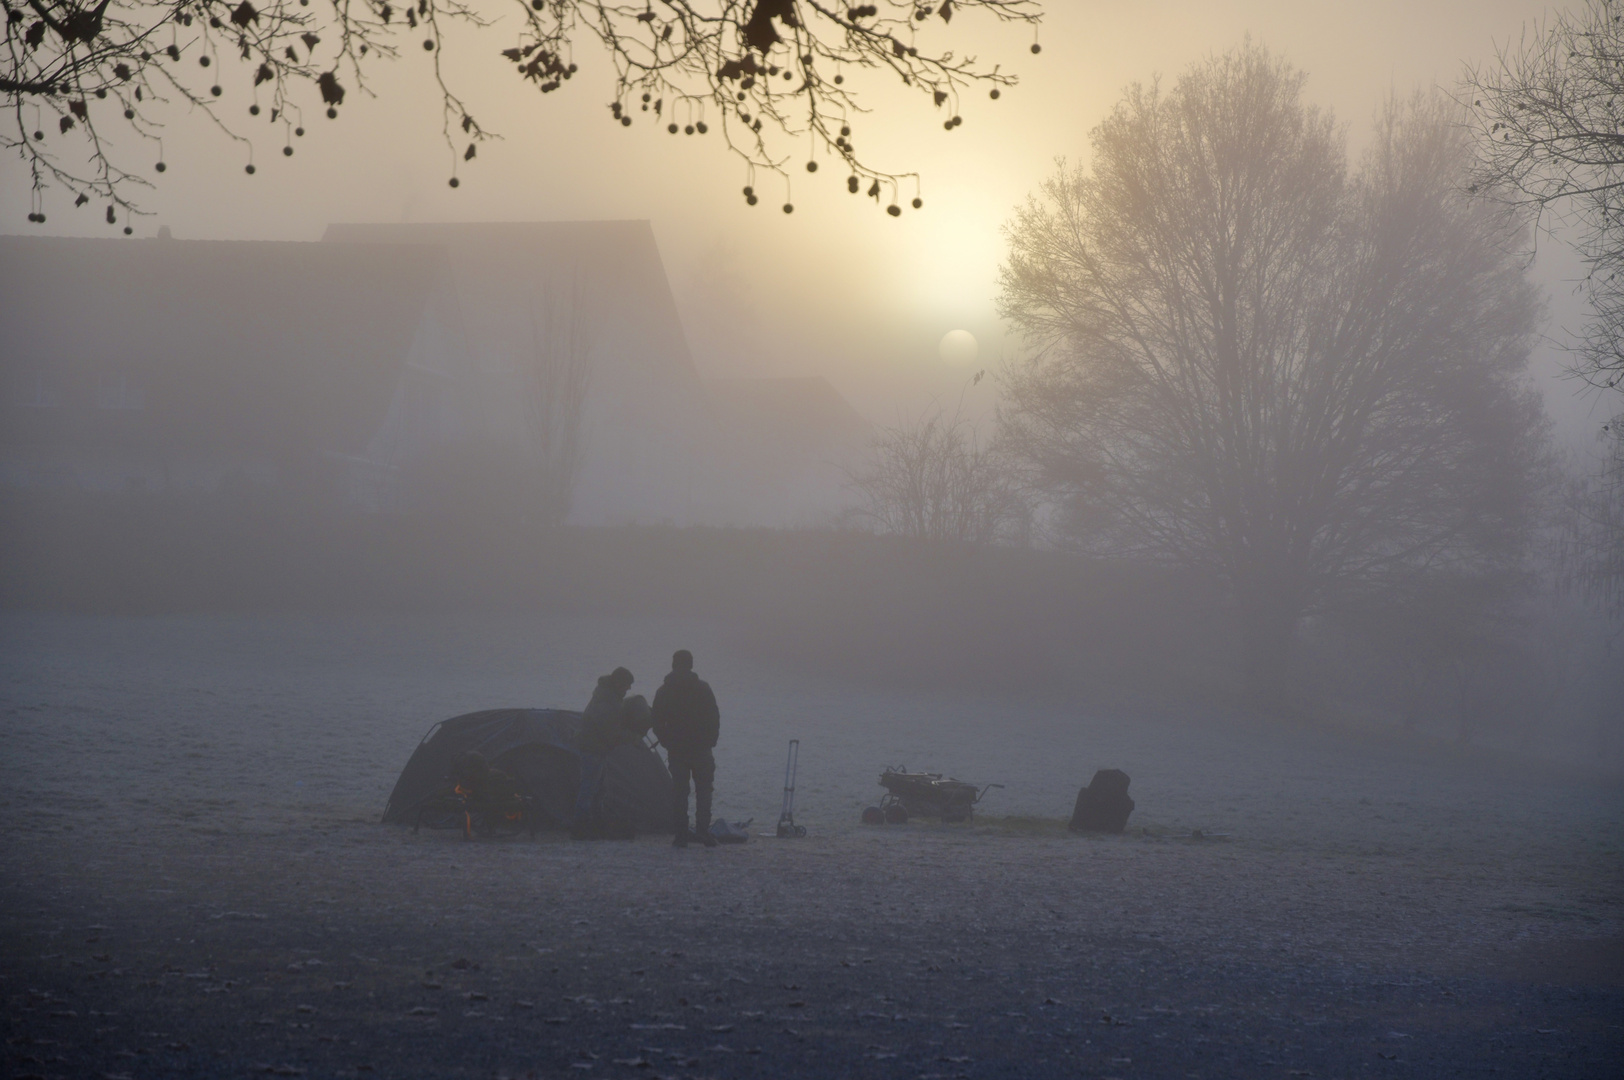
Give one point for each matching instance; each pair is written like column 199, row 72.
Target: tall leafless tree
column 932, row 479
column 1589, row 534
column 555, row 394
column 1548, row 116
column 77, row 74
column 1246, row 359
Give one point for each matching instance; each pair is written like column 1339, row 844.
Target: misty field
column 196, row 884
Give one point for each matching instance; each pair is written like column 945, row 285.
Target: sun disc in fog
column 958, row 347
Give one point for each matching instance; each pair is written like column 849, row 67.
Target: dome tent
column 538, row 748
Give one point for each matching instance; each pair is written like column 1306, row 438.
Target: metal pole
column 786, row 817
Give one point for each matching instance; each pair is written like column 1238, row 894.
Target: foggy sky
column 837, row 288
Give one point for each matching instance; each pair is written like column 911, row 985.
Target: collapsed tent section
column 539, row 749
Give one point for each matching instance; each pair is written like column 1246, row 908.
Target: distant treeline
column 871, row 606
column 1022, row 621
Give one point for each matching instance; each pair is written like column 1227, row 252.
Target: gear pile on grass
column 762, row 73
column 923, row 794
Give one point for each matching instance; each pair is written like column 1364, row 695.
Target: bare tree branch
column 1548, row 118
column 765, row 72
column 933, row 480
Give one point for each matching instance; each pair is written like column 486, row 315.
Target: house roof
column 260, row 347
column 511, row 276
column 647, row 422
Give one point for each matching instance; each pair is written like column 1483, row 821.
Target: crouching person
column 609, row 719
column 686, row 721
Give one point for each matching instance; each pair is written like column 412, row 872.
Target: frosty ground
column 195, row 884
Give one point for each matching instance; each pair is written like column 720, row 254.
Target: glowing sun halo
column 958, row 347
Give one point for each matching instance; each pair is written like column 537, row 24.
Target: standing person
column 600, row 722
column 687, row 722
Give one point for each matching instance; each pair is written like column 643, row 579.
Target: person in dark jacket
column 686, row 721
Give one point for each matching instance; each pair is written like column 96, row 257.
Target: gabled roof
column 253, row 346
column 504, row 268
column 647, row 425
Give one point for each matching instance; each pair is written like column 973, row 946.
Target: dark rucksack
column 1103, row 806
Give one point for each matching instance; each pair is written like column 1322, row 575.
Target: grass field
column 195, row 883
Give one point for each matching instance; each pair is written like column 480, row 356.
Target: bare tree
column 555, row 393
column 1245, row 359
column 75, row 73
column 933, row 480
column 1589, row 531
column 1548, row 116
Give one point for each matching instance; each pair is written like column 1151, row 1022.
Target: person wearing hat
column 687, row 723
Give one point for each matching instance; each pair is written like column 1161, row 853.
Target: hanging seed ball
column 852, row 184
column 839, row 79
column 947, row 125
column 428, row 45
column 894, row 210
column 741, row 95
column 455, row 182
column 215, row 22
column 789, row 208
column 918, row 202
column 647, row 97
column 748, row 190
column 253, row 110
column 160, row 166
column 811, row 166
column 645, row 108
column 625, row 121
column 701, row 128
column 102, row 93
column 215, row 90
column 994, row 93
column 1036, row 48
column 751, row 200
column 332, row 113
column 39, row 136
column 689, row 130
column 957, row 120
column 845, row 131
column 249, row 170
column 298, row 131
column 129, row 114
column 145, row 56
column 204, row 60
column 287, row 151
column 174, row 52
column 672, row 128
column 128, row 230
